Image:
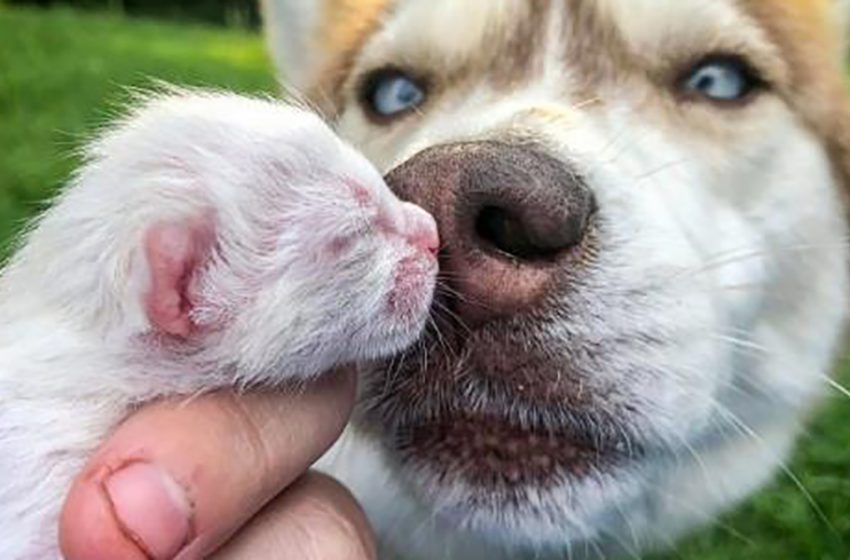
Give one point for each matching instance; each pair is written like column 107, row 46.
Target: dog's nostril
column 511, row 217
column 507, row 233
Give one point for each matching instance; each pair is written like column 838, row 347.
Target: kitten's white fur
column 298, row 282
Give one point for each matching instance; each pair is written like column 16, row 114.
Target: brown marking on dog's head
column 516, row 48
column 809, row 37
column 345, row 26
column 596, row 48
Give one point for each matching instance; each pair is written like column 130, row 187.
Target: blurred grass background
column 62, row 72
column 240, row 13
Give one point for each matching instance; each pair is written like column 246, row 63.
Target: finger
column 315, row 519
column 178, row 479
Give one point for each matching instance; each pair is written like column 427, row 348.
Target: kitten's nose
column 420, row 229
column 509, row 215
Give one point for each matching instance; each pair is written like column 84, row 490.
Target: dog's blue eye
column 393, row 93
column 723, row 80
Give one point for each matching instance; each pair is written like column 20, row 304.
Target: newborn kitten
column 210, row 240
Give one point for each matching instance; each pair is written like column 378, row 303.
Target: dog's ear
column 311, row 39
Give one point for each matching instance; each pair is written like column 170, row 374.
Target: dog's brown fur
column 346, row 24
column 809, row 35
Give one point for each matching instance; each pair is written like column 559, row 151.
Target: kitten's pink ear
column 175, row 254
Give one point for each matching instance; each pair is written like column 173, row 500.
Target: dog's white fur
column 298, row 281
column 732, row 224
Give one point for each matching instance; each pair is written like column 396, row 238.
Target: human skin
column 247, row 481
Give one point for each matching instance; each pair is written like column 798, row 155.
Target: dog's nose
column 509, row 215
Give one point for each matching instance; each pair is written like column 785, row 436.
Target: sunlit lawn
column 62, row 73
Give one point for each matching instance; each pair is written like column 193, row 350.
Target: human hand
column 223, row 477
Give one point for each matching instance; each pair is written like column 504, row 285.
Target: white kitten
column 210, row 240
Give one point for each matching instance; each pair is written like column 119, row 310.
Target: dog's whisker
column 783, row 466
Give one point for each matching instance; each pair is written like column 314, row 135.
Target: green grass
column 781, row 523
column 61, row 73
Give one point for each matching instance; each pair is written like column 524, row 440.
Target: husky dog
column 645, row 264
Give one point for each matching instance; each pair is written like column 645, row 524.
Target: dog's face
column 644, row 271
